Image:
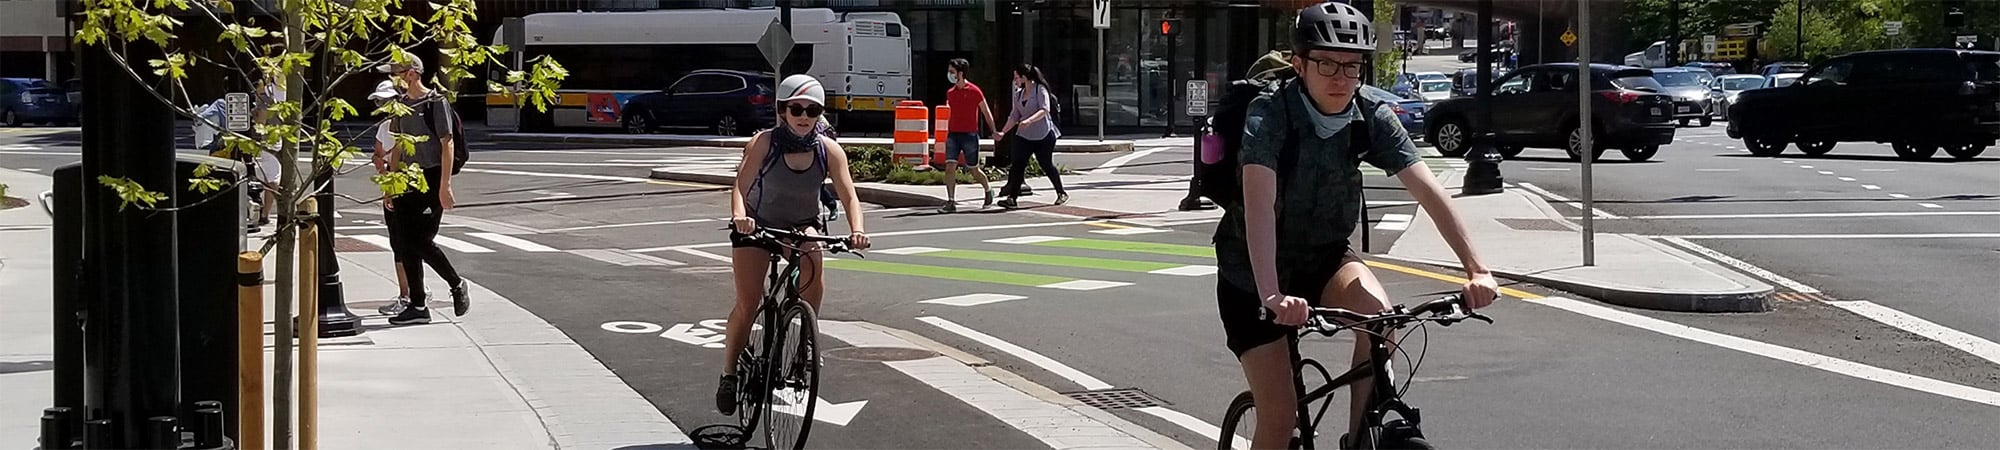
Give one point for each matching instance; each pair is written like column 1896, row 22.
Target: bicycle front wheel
column 1239, row 424
column 794, row 374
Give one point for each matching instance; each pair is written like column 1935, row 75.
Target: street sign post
column 1100, row 14
column 776, row 44
column 239, row 111
column 1197, row 98
column 1100, row 18
column 1708, row 45
column 1892, row 28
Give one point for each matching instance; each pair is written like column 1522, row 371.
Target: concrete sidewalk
column 1065, row 145
column 500, row 378
column 1519, row 236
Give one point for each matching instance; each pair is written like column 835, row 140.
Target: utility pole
column 1799, row 34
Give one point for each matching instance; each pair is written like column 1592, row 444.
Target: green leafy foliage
column 130, row 192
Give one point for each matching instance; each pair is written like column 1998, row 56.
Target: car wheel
column 641, row 123
column 1963, row 152
column 1766, row 147
column 727, row 126
column 1706, row 121
column 1640, row 154
column 12, row 120
column 1913, row 151
column 1510, row 151
column 1451, row 138
column 1815, row 148
column 1575, row 147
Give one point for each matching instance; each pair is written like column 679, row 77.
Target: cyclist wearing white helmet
column 1310, row 259
column 778, row 186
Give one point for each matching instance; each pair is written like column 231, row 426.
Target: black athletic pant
column 418, row 215
column 1043, row 150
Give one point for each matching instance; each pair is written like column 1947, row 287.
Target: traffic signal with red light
column 1170, row 27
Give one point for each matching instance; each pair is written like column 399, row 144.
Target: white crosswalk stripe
column 973, row 299
column 514, row 242
column 378, row 240
column 461, row 246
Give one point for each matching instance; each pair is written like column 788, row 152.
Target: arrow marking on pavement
column 686, row 332
column 838, row 414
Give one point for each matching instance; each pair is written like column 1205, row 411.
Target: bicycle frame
column 1381, row 399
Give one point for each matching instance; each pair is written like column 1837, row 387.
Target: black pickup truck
column 1918, row 100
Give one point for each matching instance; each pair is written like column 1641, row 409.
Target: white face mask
column 952, row 77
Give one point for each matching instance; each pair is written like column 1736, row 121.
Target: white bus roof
column 694, row 26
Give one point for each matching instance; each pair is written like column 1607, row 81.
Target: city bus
column 862, row 58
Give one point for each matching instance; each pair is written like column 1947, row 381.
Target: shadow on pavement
column 718, row 436
column 1940, row 159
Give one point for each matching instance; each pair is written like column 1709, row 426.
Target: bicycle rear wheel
column 794, row 374
column 751, row 376
column 1239, row 424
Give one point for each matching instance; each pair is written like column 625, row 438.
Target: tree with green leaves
column 315, row 48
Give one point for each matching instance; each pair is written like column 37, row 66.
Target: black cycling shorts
column 1239, row 307
column 740, row 240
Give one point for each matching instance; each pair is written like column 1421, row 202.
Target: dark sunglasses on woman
column 804, row 111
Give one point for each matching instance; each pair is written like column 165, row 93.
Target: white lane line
column 1786, row 354
column 30, row 169
column 376, row 239
column 561, row 175
column 1531, row 187
column 1062, row 370
column 1027, row 240
column 1899, row 195
column 1056, row 425
column 698, row 253
column 1394, row 222
column 1871, row 187
column 1746, row 267
column 910, row 250
column 1085, row 285
column 1790, row 162
column 973, row 299
column 1191, row 423
column 1848, row 236
column 1848, row 179
column 1931, row 205
column 1826, row 172
column 1805, row 167
column 1129, row 231
column 515, row 242
column 638, row 224
column 910, row 233
column 1115, row 163
column 1982, row 348
column 1815, row 215
column 625, row 258
column 1187, row 271
column 461, row 246
column 1878, row 170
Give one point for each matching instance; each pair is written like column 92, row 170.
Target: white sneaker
column 395, row 306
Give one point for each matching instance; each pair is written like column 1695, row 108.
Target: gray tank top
column 786, row 198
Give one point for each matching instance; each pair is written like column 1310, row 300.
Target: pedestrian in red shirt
column 963, row 140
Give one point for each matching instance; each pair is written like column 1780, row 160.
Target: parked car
column 1728, row 86
column 1690, row 89
column 721, row 102
column 1917, row 100
column 1466, row 81
column 26, row 100
column 1773, row 69
column 1713, row 68
column 1537, row 107
column 1784, row 79
column 1499, row 56
column 1434, row 91
column 1409, row 110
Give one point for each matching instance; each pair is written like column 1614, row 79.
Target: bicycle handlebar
column 1445, row 310
column 835, row 244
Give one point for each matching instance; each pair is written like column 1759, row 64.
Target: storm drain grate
column 1124, row 398
column 1533, row 224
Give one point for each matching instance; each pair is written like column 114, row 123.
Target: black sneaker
column 1062, row 197
column 725, row 395
column 413, row 315
column 949, row 207
column 461, row 301
column 1009, row 204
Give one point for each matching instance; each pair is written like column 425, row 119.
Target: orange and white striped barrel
column 943, row 129
column 912, row 132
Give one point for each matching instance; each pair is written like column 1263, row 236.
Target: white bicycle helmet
column 1334, row 26
column 801, row 87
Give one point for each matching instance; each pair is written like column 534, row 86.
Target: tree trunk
column 287, row 197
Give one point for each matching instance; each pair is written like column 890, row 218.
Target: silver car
column 1727, row 86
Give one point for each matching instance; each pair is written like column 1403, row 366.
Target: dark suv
column 1916, row 100
column 720, row 102
column 1536, row 106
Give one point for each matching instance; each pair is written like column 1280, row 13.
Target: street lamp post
column 1482, row 175
column 1799, row 33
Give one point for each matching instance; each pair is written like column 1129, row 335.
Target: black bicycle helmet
column 1334, row 26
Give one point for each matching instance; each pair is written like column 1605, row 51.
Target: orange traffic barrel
column 943, row 128
column 912, row 132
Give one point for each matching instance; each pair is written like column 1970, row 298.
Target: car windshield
column 1638, row 83
column 1677, row 79
column 1744, row 83
column 1437, row 86
column 1782, row 81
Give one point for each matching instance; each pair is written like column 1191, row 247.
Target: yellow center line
column 1108, row 225
column 1507, row 291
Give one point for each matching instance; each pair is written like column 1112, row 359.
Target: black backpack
column 458, row 152
column 1222, row 182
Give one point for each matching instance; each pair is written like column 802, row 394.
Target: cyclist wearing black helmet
column 1286, row 262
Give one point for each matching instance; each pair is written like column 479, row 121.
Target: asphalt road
column 629, row 268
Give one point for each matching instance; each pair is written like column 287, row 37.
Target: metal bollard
column 163, row 432
column 250, row 349
column 57, row 428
